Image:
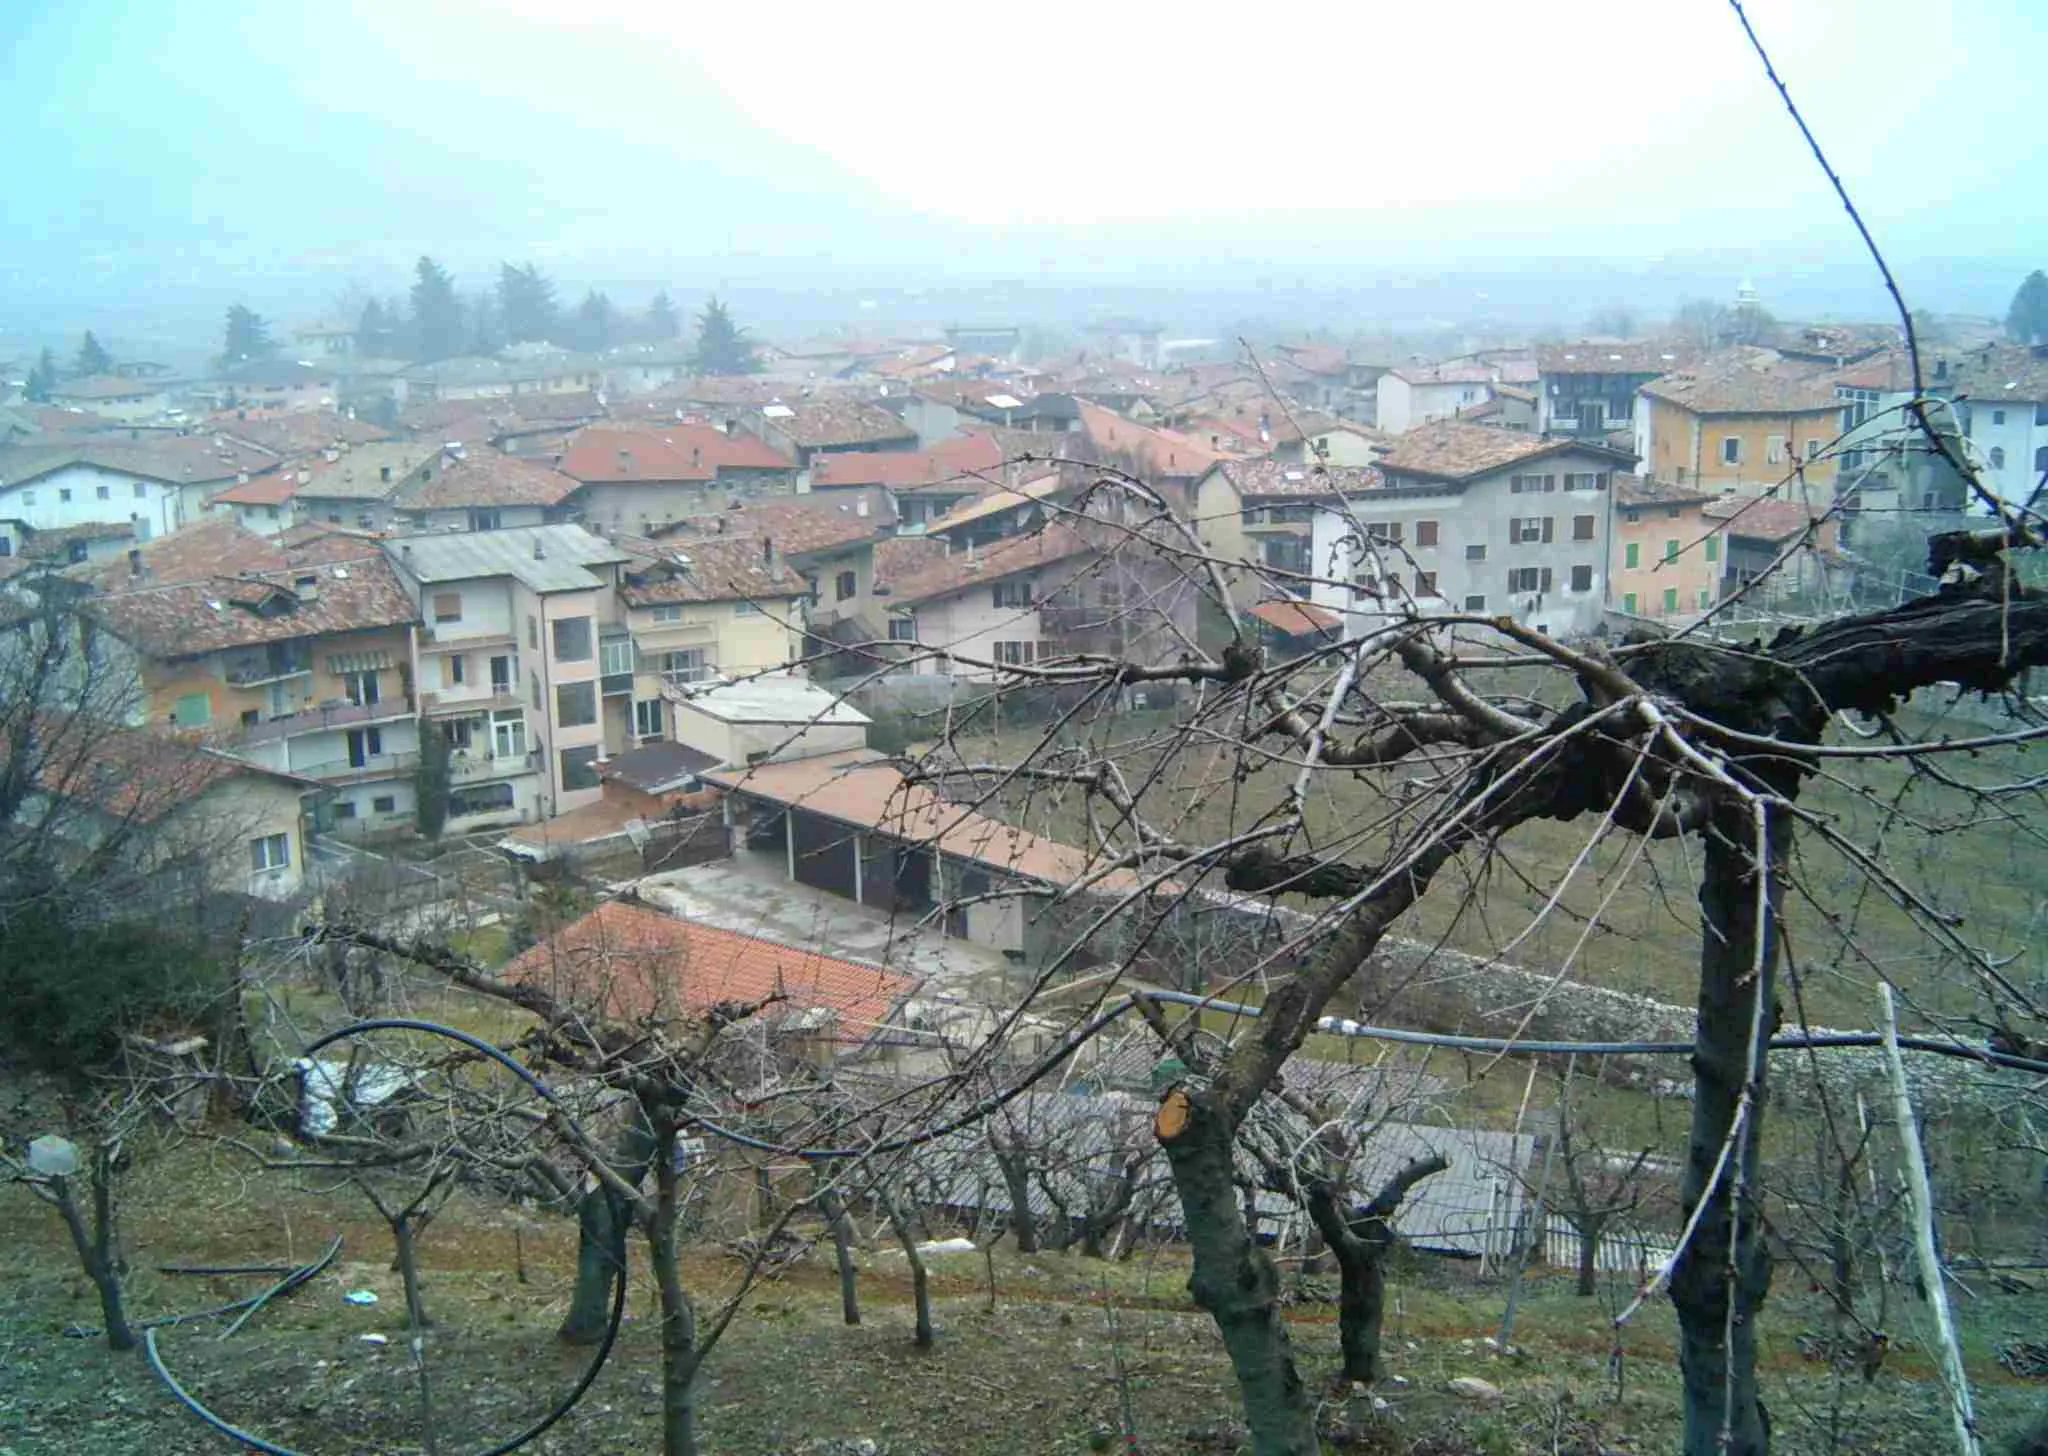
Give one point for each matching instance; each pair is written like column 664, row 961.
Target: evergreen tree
column 2027, row 319
column 42, row 379
column 595, row 322
column 722, row 347
column 663, row 322
column 431, row 781
column 247, row 337
column 439, row 330
column 526, row 303
column 92, row 358
column 374, row 332
column 486, row 324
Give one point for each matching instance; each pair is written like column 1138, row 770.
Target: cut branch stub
column 1174, row 1111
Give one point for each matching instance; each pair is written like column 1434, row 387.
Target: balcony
column 456, row 705
column 315, row 720
column 615, row 684
column 350, row 771
column 256, row 674
column 450, row 637
column 468, row 766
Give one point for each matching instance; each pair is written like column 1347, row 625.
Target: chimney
column 767, row 550
column 384, row 473
column 540, row 550
column 696, row 455
column 135, row 562
column 405, row 550
column 860, row 507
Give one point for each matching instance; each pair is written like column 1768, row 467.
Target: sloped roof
column 603, row 453
column 1275, row 479
column 1748, row 381
column 2003, row 372
column 772, row 698
column 299, row 432
column 1761, row 518
column 195, row 617
column 360, row 474
column 172, row 459
column 657, row 768
column 1162, row 452
column 708, row 569
column 801, row 526
column 211, row 546
column 133, row 774
column 1636, row 490
column 1637, row 356
column 1298, row 619
column 820, row 423
column 919, row 576
column 1454, row 450
column 995, row 503
column 107, row 386
column 481, row 476
column 949, row 460
column 623, row 961
column 544, row 559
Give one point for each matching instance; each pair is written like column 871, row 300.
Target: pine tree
column 722, row 347
column 92, row 358
column 42, row 379
column 595, row 322
column 526, row 303
column 439, row 329
column 663, row 323
column 486, row 324
column 247, row 337
column 2027, row 319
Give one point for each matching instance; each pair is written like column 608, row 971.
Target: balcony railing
column 251, row 674
column 468, row 767
column 450, row 637
column 444, row 704
column 348, row 771
column 314, row 720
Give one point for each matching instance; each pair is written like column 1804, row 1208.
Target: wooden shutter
column 1549, row 524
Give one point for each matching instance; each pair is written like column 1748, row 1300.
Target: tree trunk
column 1362, row 1286
column 679, row 1358
column 1721, row 1278
column 95, row 1248
column 834, row 1209
column 920, row 1283
column 1589, row 1258
column 601, row 1241
column 402, row 1234
column 1014, row 1162
column 1233, row 1279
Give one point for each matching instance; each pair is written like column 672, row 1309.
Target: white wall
column 2016, row 435
column 71, row 496
column 970, row 622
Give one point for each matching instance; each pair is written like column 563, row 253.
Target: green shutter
column 1628, row 600
column 1713, row 548
column 1671, row 549
column 194, row 710
column 1634, row 556
column 1670, row 598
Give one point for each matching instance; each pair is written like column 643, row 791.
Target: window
column 902, row 629
column 1012, row 593
column 271, row 852
column 460, row 733
column 64, row 491
column 1476, row 551
column 141, row 492
column 1582, row 528
column 364, row 744
column 1628, row 603
column 28, row 497
column 1386, row 533
column 1670, row 599
column 666, row 614
column 1524, row 579
column 1671, row 549
column 685, row 667
column 1632, row 555
column 479, row 799
column 746, row 609
column 1587, row 481
column 501, row 674
column 345, row 809
column 1582, row 578
column 454, row 671
column 103, row 492
column 362, row 688
column 193, row 710
column 1425, row 583
column 615, row 655
column 1731, row 450
column 334, row 518
column 572, row 639
column 1706, row 599
column 384, row 804
column 579, row 768
column 845, row 585
column 2040, row 463
column 447, row 606
column 1712, row 547
column 1997, row 418
column 533, row 688
column 1016, row 654
column 1774, row 449
column 484, row 520
column 1530, row 528
column 508, row 733
column 1425, row 533
column 1813, row 449
column 647, row 718
column 576, row 704
column 1475, row 603
column 1998, row 457
column 533, row 632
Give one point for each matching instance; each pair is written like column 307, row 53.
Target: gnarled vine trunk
column 1360, row 1244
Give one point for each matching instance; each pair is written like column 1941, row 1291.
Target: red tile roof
column 1748, row 381
column 948, row 460
column 640, row 453
column 298, row 432
column 1276, row 479
column 1298, row 619
column 1638, row 356
column 805, row 525
column 1161, row 453
column 625, row 962
column 913, row 575
column 131, row 773
column 482, row 476
column 173, row 459
column 1761, row 518
column 212, row 546
column 819, row 423
column 195, row 617
column 1453, row 450
column 707, row 569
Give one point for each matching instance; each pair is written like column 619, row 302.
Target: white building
column 1473, row 519
column 2005, row 412
column 155, row 485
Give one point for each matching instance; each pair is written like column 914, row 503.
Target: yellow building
column 1747, row 420
column 1668, row 557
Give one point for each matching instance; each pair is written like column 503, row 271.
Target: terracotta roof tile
column 1761, row 518
column 914, row 575
column 211, row 613
column 173, row 459
column 1298, row 619
column 995, row 502
column 1454, row 450
column 482, row 476
column 707, row 569
column 819, row 423
column 949, row 460
column 611, row 452
column 1636, row 490
column 1278, row 479
column 1747, row 381
column 625, row 962
column 108, row 386
column 1637, row 356
column 131, row 773
column 371, row 472
column 2003, row 372
column 1164, row 453
column 800, row 526
column 299, row 432
column 212, row 546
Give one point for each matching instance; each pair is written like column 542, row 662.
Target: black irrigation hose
column 297, row 1277
column 554, row 1413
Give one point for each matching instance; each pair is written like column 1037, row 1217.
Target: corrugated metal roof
column 467, row 555
column 772, row 699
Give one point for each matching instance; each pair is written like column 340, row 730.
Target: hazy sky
column 625, row 140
